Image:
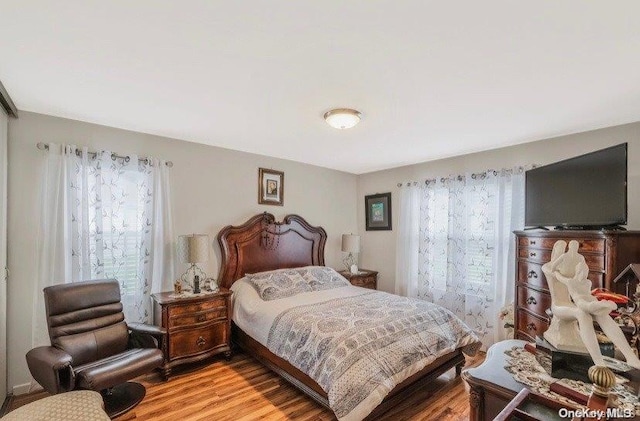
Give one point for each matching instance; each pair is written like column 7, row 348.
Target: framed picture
column 378, row 212
column 270, row 187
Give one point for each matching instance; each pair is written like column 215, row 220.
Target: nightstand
column 198, row 326
column 364, row 278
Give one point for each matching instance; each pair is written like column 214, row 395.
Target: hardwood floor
column 243, row 389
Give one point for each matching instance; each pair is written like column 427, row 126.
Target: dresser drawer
column 176, row 310
column 530, row 274
column 594, row 261
column 535, row 301
column 586, row 245
column 531, row 325
column 194, row 341
column 195, row 318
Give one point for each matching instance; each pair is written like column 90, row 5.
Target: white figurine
column 571, row 302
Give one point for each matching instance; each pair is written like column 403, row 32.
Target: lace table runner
column 527, row 370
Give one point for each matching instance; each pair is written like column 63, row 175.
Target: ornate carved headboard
column 262, row 244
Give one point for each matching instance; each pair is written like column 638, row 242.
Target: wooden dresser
column 607, row 253
column 198, row 327
column 364, row 278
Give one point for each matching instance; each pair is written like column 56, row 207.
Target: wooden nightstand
column 198, row 327
column 365, row 278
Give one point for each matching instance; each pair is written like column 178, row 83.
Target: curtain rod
column 482, row 174
column 45, row 147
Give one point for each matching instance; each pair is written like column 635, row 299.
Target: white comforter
column 255, row 316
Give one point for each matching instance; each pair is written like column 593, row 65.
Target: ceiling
column 432, row 79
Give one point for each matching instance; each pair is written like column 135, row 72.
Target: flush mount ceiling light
column 342, row 118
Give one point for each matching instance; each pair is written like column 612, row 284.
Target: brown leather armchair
column 92, row 347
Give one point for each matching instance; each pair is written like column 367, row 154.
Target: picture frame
column 270, row 187
column 378, row 212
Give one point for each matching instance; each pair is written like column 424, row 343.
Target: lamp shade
column 193, row 248
column 350, row 243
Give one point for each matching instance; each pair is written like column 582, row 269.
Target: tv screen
column 586, row 191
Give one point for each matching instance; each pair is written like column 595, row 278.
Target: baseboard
column 21, row 389
column 6, row 405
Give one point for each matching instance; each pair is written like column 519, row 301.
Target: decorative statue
column 574, row 308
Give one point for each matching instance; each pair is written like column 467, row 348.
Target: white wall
column 211, row 187
column 379, row 247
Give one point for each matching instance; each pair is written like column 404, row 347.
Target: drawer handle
column 532, row 274
column 201, row 341
column 531, row 326
column 202, row 317
column 531, row 300
column 532, row 242
column 532, row 254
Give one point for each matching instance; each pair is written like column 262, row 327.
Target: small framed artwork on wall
column 378, row 212
column 270, row 187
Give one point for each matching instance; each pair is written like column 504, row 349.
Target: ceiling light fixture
column 342, row 118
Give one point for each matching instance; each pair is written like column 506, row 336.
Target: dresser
column 606, row 253
column 198, row 327
column 364, row 278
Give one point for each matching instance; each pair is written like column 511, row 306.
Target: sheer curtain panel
column 461, row 236
column 104, row 217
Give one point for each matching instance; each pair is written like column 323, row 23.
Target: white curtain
column 465, row 247
column 104, row 217
column 407, row 240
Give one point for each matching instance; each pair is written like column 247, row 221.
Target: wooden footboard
column 312, row 389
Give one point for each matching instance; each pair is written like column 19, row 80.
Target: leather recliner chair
column 92, row 347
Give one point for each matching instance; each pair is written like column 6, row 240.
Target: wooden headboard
column 262, row 244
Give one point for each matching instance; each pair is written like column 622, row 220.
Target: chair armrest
column 159, row 333
column 51, row 367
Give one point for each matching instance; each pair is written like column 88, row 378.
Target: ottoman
column 80, row 405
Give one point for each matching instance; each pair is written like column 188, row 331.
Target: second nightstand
column 364, row 278
column 198, row 327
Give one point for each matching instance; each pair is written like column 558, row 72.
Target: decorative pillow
column 322, row 277
column 277, row 284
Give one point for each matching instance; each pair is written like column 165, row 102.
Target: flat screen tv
column 588, row 191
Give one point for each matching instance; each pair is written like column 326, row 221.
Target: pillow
column 322, row 277
column 277, row 284
column 283, row 283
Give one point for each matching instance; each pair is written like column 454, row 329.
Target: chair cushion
column 119, row 368
column 80, row 405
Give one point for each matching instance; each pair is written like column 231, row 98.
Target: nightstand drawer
column 176, row 310
column 364, row 282
column 364, row 278
column 194, row 341
column 194, row 319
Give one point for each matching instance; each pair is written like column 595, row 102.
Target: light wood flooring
column 243, row 389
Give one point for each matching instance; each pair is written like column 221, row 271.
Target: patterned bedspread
column 359, row 348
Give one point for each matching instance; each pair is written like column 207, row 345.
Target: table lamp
column 351, row 245
column 193, row 249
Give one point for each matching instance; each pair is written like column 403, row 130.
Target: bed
column 250, row 251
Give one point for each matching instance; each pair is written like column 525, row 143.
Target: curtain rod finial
column 42, row 146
